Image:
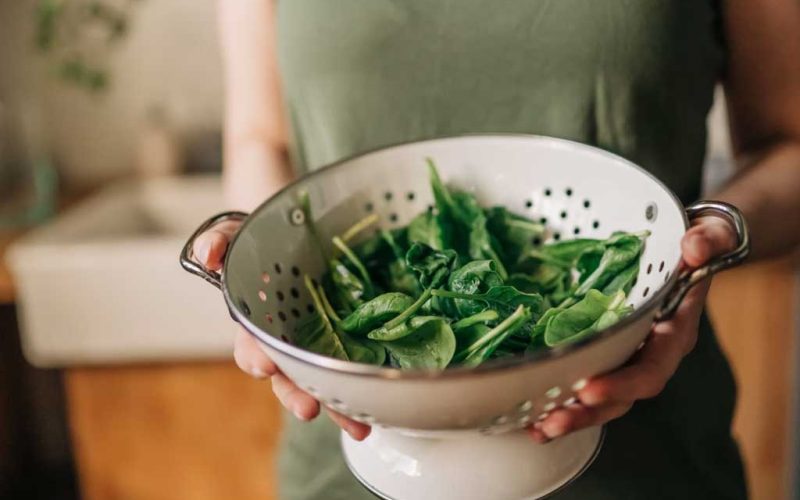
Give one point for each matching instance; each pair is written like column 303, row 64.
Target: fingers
column 711, row 236
column 573, row 418
column 250, row 358
column 301, row 404
column 357, row 430
column 209, row 248
column 656, row 362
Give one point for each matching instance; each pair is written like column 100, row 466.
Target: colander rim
column 491, row 366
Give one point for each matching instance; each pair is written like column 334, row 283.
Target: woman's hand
column 610, row 396
column 209, row 250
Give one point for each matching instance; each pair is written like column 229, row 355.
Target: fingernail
column 257, row 372
column 203, row 249
column 300, row 416
column 538, row 425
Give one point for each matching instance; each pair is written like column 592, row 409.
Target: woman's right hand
column 209, row 250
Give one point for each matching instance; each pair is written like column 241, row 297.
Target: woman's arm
column 256, row 166
column 256, row 163
column 762, row 85
column 763, row 88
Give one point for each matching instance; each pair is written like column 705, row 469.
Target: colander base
column 507, row 466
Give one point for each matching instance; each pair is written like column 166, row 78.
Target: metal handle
column 187, row 254
column 690, row 278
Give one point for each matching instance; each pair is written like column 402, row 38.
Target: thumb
column 709, row 237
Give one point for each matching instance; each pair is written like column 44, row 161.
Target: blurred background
column 116, row 378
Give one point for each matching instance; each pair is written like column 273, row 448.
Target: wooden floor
column 207, row 432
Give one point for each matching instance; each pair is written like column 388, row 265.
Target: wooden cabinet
column 207, row 432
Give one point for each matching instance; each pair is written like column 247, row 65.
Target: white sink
column 102, row 284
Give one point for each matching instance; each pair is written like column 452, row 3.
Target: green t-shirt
column 635, row 77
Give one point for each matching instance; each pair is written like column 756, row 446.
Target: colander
column 455, row 433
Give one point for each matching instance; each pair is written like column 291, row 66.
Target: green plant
column 462, row 284
column 75, row 35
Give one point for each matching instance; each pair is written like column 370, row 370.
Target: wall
column 169, row 58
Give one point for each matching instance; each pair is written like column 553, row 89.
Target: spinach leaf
column 349, row 289
column 617, row 257
column 472, row 278
column 369, row 288
column 480, row 243
column 514, row 233
column 389, row 330
column 432, row 266
column 592, row 313
column 624, row 280
column 426, row 228
column 316, row 332
column 398, row 275
column 430, row 345
column 377, row 311
column 502, row 298
column 359, row 351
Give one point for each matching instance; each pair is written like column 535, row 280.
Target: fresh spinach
column 462, row 284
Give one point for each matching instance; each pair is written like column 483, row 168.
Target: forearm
column 767, row 191
column 255, row 142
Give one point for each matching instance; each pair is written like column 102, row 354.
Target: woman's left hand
column 610, row 396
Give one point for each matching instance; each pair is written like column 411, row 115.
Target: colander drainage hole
column 596, row 224
column 661, row 266
column 282, row 316
column 280, row 295
column 410, row 196
column 388, row 196
column 296, row 271
column 587, row 203
column 295, row 312
column 393, row 217
column 536, row 241
column 576, row 231
column 528, row 204
column 646, row 292
column 369, row 207
column 310, row 308
column 295, row 293
column 278, row 268
column 548, row 192
column 556, row 236
column 568, row 191
column 268, row 317
column 543, row 220
column 649, row 268
column 563, row 214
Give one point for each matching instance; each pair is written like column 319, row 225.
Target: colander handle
column 688, row 279
column 187, row 254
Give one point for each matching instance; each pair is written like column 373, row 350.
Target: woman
column 635, row 78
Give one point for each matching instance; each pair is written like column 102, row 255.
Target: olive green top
column 635, row 77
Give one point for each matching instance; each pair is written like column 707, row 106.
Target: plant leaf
column 583, row 318
column 432, row 266
column 429, row 345
column 375, row 312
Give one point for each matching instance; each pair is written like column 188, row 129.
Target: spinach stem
column 503, row 327
column 481, row 317
column 360, row 226
column 326, row 304
column 305, row 206
column 320, row 307
column 353, row 258
column 412, row 309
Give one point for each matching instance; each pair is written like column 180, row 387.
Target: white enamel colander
column 577, row 190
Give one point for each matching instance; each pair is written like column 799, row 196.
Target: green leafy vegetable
column 462, row 284
column 594, row 312
column 430, row 345
column 376, row 312
column 432, row 266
